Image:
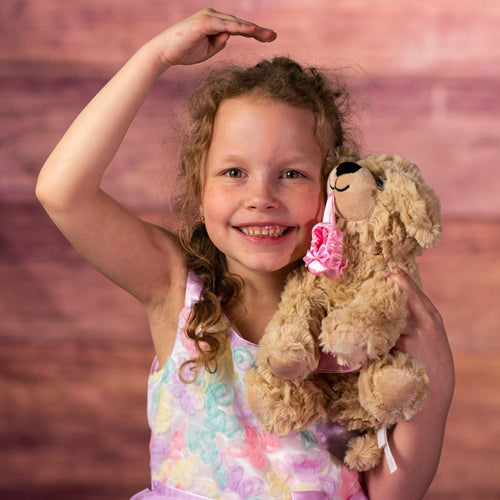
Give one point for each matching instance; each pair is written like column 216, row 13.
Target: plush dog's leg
column 283, row 406
column 362, row 451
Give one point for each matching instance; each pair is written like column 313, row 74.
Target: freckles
column 315, row 203
column 208, row 194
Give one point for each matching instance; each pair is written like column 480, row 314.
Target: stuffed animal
column 326, row 354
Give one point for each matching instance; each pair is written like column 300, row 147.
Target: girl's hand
column 203, row 35
column 425, row 335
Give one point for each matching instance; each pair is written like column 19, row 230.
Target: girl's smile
column 264, row 235
column 261, row 183
column 264, row 231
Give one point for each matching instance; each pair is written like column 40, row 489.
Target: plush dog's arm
column 290, row 342
column 368, row 326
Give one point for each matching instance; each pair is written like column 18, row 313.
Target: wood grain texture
column 75, row 350
column 76, row 353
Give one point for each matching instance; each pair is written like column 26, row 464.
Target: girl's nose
column 261, row 195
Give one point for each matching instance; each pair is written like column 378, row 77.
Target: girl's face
column 261, row 184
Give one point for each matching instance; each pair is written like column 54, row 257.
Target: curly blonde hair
column 282, row 79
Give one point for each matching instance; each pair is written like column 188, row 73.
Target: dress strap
column 192, row 295
column 194, row 286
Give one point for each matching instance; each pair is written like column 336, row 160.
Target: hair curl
column 282, row 79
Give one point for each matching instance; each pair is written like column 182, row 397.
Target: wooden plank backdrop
column 75, row 350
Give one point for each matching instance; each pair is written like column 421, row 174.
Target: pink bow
column 325, row 254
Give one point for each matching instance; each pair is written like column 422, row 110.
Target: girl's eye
column 234, row 173
column 292, row 174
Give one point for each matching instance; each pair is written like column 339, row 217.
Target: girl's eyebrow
column 297, row 158
column 232, row 158
column 290, row 159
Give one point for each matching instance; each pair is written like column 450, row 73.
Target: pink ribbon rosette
column 325, row 254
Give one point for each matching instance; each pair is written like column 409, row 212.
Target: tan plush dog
column 387, row 215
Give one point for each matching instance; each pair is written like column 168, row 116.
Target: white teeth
column 270, row 231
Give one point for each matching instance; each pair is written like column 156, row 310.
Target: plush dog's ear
column 418, row 205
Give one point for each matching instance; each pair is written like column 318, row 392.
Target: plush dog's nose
column 348, row 167
column 342, row 179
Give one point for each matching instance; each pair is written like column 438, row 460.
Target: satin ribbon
column 325, row 254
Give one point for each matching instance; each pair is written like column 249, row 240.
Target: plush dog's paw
column 286, row 368
column 291, row 355
column 394, row 388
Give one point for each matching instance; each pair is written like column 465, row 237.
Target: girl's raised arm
column 138, row 256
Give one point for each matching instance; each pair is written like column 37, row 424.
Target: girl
column 254, row 181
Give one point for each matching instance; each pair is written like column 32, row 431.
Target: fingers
column 236, row 26
column 262, row 34
column 425, row 335
column 424, row 323
column 219, row 41
column 419, row 305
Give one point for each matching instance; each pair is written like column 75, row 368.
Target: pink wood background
column 75, row 350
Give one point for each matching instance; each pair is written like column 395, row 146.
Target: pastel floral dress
column 205, row 442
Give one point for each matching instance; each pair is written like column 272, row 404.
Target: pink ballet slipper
column 325, row 254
